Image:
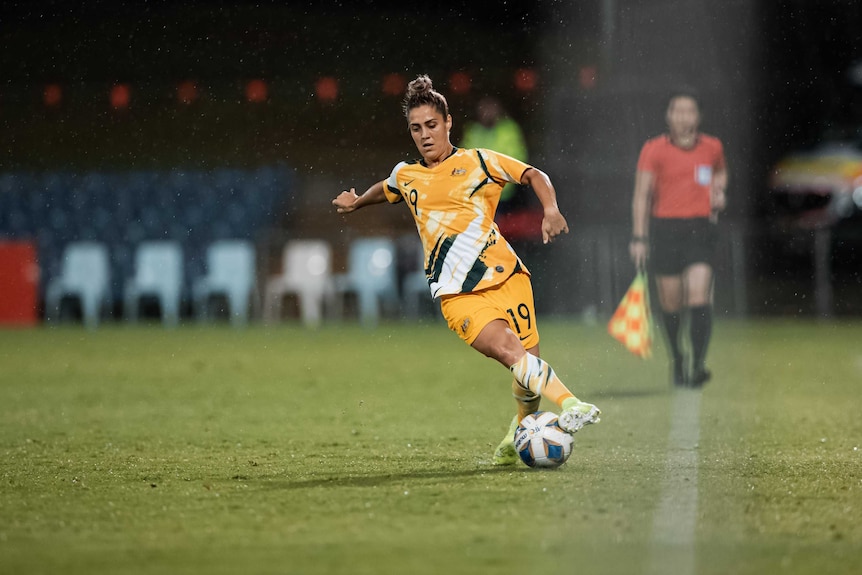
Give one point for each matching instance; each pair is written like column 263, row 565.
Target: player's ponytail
column 421, row 92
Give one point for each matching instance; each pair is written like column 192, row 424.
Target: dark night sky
column 806, row 46
column 810, row 47
column 147, row 39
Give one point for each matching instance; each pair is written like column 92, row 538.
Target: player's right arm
column 347, row 201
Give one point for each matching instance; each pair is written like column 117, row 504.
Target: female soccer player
column 484, row 288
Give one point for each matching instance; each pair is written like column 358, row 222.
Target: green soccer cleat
column 577, row 414
column 505, row 453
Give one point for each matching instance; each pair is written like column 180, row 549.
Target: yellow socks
column 535, row 378
column 528, row 402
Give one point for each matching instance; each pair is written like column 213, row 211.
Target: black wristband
column 639, row 239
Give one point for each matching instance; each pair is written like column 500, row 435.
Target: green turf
column 279, row 450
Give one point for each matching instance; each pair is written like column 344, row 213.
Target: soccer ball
column 541, row 442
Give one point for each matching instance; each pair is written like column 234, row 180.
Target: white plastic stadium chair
column 372, row 276
column 84, row 275
column 158, row 273
column 307, row 274
column 231, row 274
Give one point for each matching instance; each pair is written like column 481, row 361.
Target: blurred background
column 184, row 124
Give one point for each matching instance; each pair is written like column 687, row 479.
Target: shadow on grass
column 623, row 393
column 390, row 478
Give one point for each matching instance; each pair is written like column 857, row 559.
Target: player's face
column 683, row 116
column 430, row 132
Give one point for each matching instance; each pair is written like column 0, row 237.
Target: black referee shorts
column 676, row 244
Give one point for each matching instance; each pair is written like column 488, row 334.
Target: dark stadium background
column 773, row 75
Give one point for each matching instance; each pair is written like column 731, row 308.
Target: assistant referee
column 679, row 191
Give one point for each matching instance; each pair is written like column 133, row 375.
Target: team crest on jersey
column 459, row 172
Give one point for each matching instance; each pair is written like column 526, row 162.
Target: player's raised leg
column 534, row 375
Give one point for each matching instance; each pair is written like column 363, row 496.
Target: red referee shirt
column 682, row 178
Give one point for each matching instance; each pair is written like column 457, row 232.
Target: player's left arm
column 553, row 222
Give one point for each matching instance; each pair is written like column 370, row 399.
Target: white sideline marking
column 675, row 519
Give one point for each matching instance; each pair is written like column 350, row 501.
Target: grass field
column 279, row 450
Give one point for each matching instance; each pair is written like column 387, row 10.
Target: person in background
column 484, row 289
column 679, row 190
column 495, row 130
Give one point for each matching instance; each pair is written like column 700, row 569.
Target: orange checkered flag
column 631, row 323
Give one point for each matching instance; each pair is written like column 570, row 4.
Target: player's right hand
column 345, row 202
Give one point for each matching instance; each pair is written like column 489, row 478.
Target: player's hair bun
column 421, row 85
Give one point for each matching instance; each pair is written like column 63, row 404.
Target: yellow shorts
column 467, row 314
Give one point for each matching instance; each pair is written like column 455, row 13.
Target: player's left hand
column 553, row 224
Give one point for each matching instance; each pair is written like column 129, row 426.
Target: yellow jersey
column 453, row 205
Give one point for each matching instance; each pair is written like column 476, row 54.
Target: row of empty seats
column 85, row 276
column 371, row 279
column 115, row 241
column 122, row 210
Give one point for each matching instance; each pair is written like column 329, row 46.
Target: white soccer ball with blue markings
column 541, row 442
